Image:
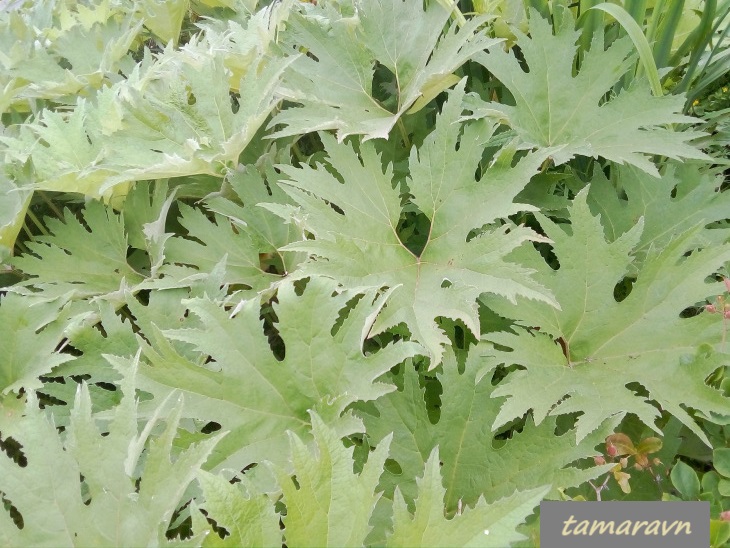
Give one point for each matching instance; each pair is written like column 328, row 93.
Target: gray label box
column 627, row 524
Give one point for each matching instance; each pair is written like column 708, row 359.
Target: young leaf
column 170, row 118
column 121, row 498
column 258, row 397
column 247, row 516
column 27, row 349
column 164, row 18
column 62, row 50
column 606, row 345
column 361, row 246
column 86, row 262
column 329, row 505
column 491, row 525
column 334, row 83
column 555, row 108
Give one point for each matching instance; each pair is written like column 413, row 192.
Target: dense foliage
column 359, row 272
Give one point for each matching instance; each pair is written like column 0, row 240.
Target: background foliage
column 349, row 272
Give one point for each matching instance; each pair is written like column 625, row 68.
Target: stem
column 37, row 223
column 51, row 205
column 298, row 153
column 600, row 488
column 403, row 133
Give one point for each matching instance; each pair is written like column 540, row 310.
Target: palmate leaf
column 264, row 228
column 86, row 261
column 60, row 50
column 257, row 397
column 99, row 330
column 607, row 346
column 684, row 196
column 127, row 493
column 329, row 505
column 554, row 107
column 207, row 243
column 475, row 464
column 241, row 234
column 31, row 333
column 334, row 85
column 483, row 525
column 170, row 118
column 247, row 516
column 361, row 246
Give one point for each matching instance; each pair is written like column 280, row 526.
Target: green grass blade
column 642, row 45
column 711, row 74
column 653, row 20
column 670, row 19
column 637, row 9
column 698, row 39
column 688, row 81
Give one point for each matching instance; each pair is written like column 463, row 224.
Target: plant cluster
column 358, row 272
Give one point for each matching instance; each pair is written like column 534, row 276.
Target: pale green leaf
column 334, row 84
column 329, row 505
column 686, row 194
column 247, row 516
column 361, row 246
column 206, row 243
column 491, row 525
column 607, row 345
column 31, row 332
column 86, row 260
column 169, row 118
column 266, row 229
column 164, row 17
column 258, row 397
column 475, row 464
column 556, row 108
column 14, row 203
column 60, row 50
column 107, row 494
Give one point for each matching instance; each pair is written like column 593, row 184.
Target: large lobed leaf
column 85, row 261
column 258, row 397
column 169, row 118
column 327, row 504
column 605, row 345
column 83, row 48
column 96, row 487
column 484, row 525
column 359, row 244
column 684, row 196
column 555, row 107
column 474, row 463
column 32, row 330
column 241, row 234
column 334, row 83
